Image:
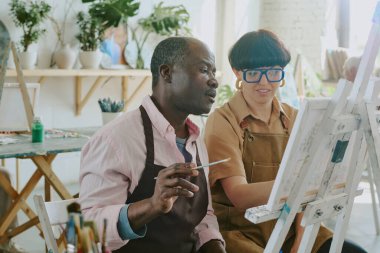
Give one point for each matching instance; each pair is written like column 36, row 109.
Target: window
column 361, row 12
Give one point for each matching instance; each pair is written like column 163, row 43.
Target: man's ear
column 166, row 73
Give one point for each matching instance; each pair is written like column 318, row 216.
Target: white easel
column 373, row 138
column 326, row 148
column 4, row 53
column 20, row 78
column 24, row 92
column 6, row 46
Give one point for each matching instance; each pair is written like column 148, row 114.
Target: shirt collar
column 162, row 124
column 240, row 107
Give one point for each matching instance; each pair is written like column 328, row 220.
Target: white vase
column 90, row 59
column 109, row 116
column 28, row 60
column 65, row 57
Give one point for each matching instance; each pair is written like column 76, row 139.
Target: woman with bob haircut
column 253, row 128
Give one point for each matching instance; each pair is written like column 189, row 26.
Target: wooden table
column 102, row 76
column 42, row 155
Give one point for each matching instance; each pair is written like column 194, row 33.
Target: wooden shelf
column 102, row 76
column 79, row 72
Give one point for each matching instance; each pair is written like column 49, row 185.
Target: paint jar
column 37, row 130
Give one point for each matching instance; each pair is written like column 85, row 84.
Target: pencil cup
column 109, row 116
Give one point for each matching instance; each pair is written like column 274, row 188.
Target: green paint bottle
column 37, row 130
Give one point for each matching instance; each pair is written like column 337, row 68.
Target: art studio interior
column 189, row 126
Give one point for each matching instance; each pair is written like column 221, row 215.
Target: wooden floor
column 361, row 228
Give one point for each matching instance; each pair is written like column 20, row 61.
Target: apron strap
column 199, row 163
column 284, row 123
column 149, row 141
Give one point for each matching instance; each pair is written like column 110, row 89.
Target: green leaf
column 166, row 20
column 29, row 16
column 112, row 12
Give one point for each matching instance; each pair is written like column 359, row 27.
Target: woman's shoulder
column 222, row 114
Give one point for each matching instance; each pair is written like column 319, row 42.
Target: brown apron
column 262, row 154
column 172, row 232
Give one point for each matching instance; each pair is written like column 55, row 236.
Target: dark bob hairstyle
column 257, row 49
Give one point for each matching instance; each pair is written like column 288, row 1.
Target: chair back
column 51, row 214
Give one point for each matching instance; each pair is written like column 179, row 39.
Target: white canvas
column 12, row 112
column 303, row 133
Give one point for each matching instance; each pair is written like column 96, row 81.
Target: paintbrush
column 210, row 164
column 104, row 245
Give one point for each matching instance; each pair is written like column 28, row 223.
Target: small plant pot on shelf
column 28, row 60
column 109, row 116
column 90, row 59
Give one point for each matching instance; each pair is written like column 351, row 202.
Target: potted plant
column 113, row 15
column 29, row 17
column 110, row 109
column 90, row 35
column 164, row 21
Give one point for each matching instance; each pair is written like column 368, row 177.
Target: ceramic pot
column 28, row 60
column 90, row 59
column 109, row 116
column 65, row 57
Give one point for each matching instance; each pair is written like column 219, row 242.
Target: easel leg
column 308, row 238
column 373, row 198
column 280, row 231
column 374, row 161
column 339, row 232
column 24, row 92
column 343, row 218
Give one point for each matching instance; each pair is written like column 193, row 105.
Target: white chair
column 51, row 214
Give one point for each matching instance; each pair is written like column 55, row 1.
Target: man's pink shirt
column 114, row 158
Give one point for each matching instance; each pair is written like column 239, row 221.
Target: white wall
column 57, row 100
column 299, row 23
column 219, row 23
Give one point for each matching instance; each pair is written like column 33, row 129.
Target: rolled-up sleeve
column 208, row 229
column 223, row 142
column 103, row 187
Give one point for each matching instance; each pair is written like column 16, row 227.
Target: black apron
column 172, row 232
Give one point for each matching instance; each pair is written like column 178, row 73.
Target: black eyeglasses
column 255, row 75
